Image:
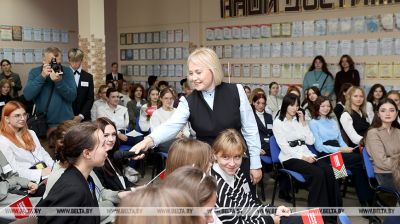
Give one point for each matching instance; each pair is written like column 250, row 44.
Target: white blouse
column 285, row 131
column 21, row 160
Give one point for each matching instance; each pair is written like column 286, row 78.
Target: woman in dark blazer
column 264, row 121
column 84, row 149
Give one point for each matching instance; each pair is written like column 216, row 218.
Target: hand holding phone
column 300, row 116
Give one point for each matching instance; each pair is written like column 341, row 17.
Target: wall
column 194, row 16
column 111, row 32
column 60, row 14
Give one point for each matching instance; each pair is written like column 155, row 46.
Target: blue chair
column 267, row 161
column 164, row 157
column 275, row 150
column 372, row 180
column 344, row 219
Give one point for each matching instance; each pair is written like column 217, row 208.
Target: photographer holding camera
column 52, row 88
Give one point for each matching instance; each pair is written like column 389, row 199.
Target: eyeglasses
column 19, row 116
column 4, row 65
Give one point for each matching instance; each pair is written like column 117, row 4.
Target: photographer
column 52, row 84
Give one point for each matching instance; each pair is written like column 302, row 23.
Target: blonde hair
column 188, row 152
column 158, row 197
column 206, row 58
column 75, row 54
column 351, row 92
column 229, row 142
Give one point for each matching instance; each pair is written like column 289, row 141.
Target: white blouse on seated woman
column 21, row 159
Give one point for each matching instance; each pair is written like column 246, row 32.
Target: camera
column 54, row 65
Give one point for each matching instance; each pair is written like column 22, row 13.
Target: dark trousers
column 323, row 187
column 354, row 163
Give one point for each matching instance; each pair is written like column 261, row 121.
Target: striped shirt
column 238, row 198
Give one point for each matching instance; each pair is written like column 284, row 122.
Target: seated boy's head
column 190, row 152
column 229, row 149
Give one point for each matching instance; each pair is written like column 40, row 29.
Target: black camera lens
column 54, row 65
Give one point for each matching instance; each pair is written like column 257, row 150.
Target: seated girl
column 292, row 134
column 395, row 96
column 354, row 119
column 111, row 174
column 233, row 188
column 329, row 140
column 150, row 197
column 311, row 95
column 21, row 146
column 13, row 187
column 163, row 113
column 274, row 100
column 341, row 100
column 199, row 185
column 184, row 152
column 382, row 142
column 146, row 111
column 83, row 150
column 264, row 121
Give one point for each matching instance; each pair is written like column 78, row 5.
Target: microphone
column 118, row 155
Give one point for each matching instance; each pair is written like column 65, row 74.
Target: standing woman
column 354, row 119
column 137, row 101
column 212, row 107
column 21, row 146
column 382, row 142
column 5, row 97
column 347, row 74
column 273, row 99
column 375, row 94
column 319, row 76
column 292, row 134
column 146, row 111
column 84, row 149
column 13, row 77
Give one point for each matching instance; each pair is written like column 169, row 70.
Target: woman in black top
column 347, row 74
column 84, row 149
column 341, row 100
column 111, row 175
column 375, row 94
column 5, row 88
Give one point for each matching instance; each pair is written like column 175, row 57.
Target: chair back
column 274, row 149
column 368, row 164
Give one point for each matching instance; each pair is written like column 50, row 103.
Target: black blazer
column 71, row 190
column 84, row 96
column 264, row 131
column 111, row 182
column 109, row 77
